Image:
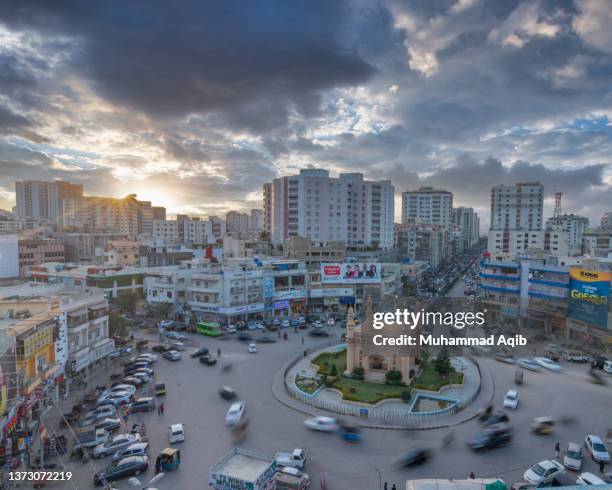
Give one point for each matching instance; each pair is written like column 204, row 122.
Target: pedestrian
column 161, row 409
column 557, row 448
column 602, row 466
column 472, row 475
column 394, row 487
column 385, row 487
column 219, row 352
column 302, row 340
column 158, row 465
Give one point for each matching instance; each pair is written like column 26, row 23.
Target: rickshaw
column 543, row 425
column 518, row 376
column 349, row 432
column 169, row 459
column 160, row 389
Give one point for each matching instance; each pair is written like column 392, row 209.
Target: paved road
column 192, row 399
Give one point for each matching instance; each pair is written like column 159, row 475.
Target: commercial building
column 103, row 214
column 267, row 207
column 145, row 218
column 422, row 242
column 427, row 205
column 23, row 226
column 517, row 207
column 313, row 253
column 159, row 213
column 597, row 243
column 159, row 254
column 9, row 256
column 574, row 226
column 122, row 253
column 344, row 208
column 516, row 242
column 35, row 251
column 87, row 247
column 40, row 199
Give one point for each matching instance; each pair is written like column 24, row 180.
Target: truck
column 89, row 437
column 242, row 469
column 295, row 459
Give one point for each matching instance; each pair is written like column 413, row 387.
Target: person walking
column 557, row 449
column 161, row 408
column 385, row 487
column 602, row 466
column 394, row 487
column 472, row 475
column 219, row 352
column 158, row 465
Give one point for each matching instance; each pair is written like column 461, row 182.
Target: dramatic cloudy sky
column 195, row 104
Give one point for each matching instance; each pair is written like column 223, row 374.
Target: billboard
column 353, row 273
column 589, row 296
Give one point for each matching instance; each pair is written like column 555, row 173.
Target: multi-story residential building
column 427, row 205
column 87, row 247
column 313, row 253
column 159, row 213
column 606, row 221
column 574, row 226
column 189, row 230
column 516, row 242
column 40, row 199
column 468, row 225
column 23, row 226
column 35, row 251
column 103, row 214
column 517, row 207
column 323, row 208
column 122, row 253
column 422, row 242
column 235, row 247
column 9, row 256
column 237, row 222
column 145, row 218
column 256, row 221
column 157, row 254
column 267, row 207
column 597, row 243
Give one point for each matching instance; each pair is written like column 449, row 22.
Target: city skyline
column 386, row 89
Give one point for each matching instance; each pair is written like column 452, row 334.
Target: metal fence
column 391, row 416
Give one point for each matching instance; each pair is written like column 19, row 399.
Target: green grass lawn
column 429, row 379
column 337, row 358
column 366, row 392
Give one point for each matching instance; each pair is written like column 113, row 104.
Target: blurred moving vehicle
column 208, row 360
column 234, row 414
column 493, row 437
column 598, row 450
column 572, row 457
column 322, row 424
column 543, row 425
column 548, row 364
column 349, row 432
column 527, row 363
column 202, row 351
column 228, row 393
column 413, row 457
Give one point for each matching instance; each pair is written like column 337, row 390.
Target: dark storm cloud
column 170, row 59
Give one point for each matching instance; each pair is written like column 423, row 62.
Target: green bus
column 212, row 329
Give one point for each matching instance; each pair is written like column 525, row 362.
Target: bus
column 212, row 329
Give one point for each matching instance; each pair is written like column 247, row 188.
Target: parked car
column 133, row 380
column 597, row 448
column 577, row 356
column 123, row 387
column 179, row 346
column 511, row 400
column 252, row 348
column 589, row 479
column 208, row 360
column 145, row 404
column 109, row 424
column 148, row 371
column 117, row 398
column 231, row 329
column 544, row 472
column 147, row 357
column 135, row 449
column 113, row 445
column 572, row 458
column 322, row 424
column 172, row 355
column 202, row 351
column 177, row 433
column 144, row 377
column 132, row 465
column 234, row 414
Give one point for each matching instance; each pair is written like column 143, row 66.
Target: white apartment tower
column 428, row 206
column 517, row 207
column 40, row 199
column 346, row 208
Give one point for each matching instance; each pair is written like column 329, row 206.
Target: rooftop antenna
column 557, row 212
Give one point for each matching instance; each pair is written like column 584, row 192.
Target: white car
column 331, row 322
column 572, row 458
column 144, row 377
column 511, row 400
column 136, row 449
column 120, row 441
column 322, row 424
column 589, row 479
column 231, row 329
column 597, row 448
column 544, row 472
column 317, row 324
column 234, row 414
column 119, row 397
column 147, row 357
column 546, row 363
column 252, row 348
column 285, row 323
column 123, row 387
column 177, row 433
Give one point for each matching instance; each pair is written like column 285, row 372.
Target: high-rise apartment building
column 517, row 207
column 574, row 226
column 40, row 199
column 347, row 208
column 267, row 207
column 256, row 221
column 145, row 218
column 606, row 221
column 428, row 206
column 468, row 224
column 97, row 214
column 159, row 212
column 189, row 230
column 237, row 222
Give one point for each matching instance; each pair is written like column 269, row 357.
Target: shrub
column 353, row 390
column 358, row 372
column 393, row 377
column 405, row 395
column 334, row 370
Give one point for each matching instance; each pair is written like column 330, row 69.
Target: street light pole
column 379, row 478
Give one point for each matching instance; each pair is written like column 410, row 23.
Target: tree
column 127, row 301
column 405, row 395
column 393, row 377
column 423, row 357
column 334, row 370
column 117, row 325
column 442, row 362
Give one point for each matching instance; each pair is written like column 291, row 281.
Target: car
column 180, row 346
column 322, row 424
column 528, row 364
column 234, row 414
column 318, row 333
column 148, row 371
column 135, row 449
column 122, row 468
column 176, row 336
column 177, row 433
column 597, row 448
column 265, row 339
column 587, row 478
column 572, row 458
column 496, row 436
column 228, row 393
column 543, row 472
column 505, row 358
column 161, row 348
column 285, row 324
column 172, row 355
column 102, row 412
column 119, row 398
column 546, row 363
column 133, row 380
column 413, row 457
column 208, row 360
column 576, row 356
column 113, row 445
column 123, row 387
column 252, row 348
column 244, row 337
column 317, row 324
column 147, row 357
column 144, row 377
column 231, row 329
column 145, row 404
column 251, row 326
column 522, row 485
column 109, row 424
column 331, row 322
column 511, row 400
column 202, row 351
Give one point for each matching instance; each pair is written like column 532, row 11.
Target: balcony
column 210, row 288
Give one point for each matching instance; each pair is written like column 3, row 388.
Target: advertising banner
column 268, row 283
column 281, row 305
column 354, row 273
column 589, row 296
column 320, row 293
